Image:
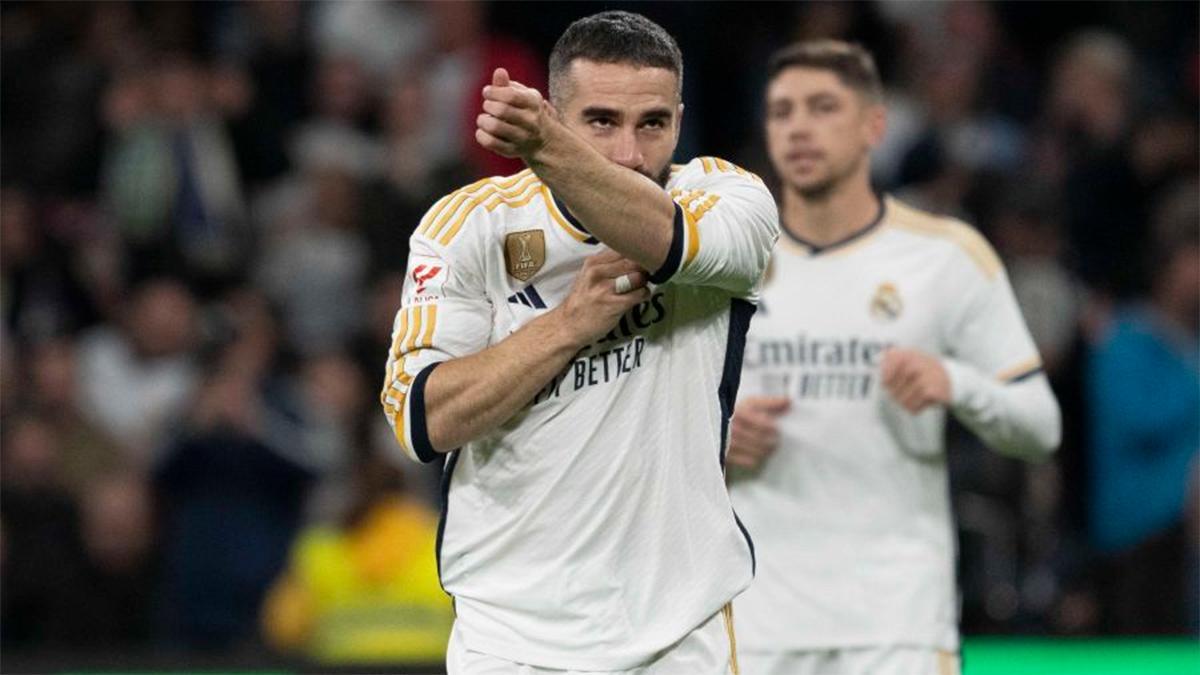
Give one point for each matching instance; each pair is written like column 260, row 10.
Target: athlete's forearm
column 620, row 207
column 1019, row 419
column 467, row 397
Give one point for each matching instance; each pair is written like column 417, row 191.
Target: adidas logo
column 528, row 297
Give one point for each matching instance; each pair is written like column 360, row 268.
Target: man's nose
column 799, row 126
column 626, row 152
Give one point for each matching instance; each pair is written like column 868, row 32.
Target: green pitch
column 1134, row 656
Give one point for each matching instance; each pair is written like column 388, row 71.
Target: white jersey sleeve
column 989, row 332
column 726, row 223
column 444, row 314
column 997, row 386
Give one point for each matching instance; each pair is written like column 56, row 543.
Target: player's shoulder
column 962, row 239
column 711, row 168
column 475, row 209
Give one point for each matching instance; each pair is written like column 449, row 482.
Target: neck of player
column 844, row 209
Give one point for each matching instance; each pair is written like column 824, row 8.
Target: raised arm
column 629, row 212
column 620, row 207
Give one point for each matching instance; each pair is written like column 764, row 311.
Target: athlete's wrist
column 557, row 148
column 561, row 331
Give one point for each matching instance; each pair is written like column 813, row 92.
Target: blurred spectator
column 231, row 504
column 315, row 266
column 171, row 177
column 41, row 552
column 366, row 590
column 1089, row 107
column 45, row 292
column 1029, row 236
column 1144, row 386
column 380, row 35
column 267, row 40
column 411, row 178
column 88, row 452
column 136, row 377
column 333, row 395
column 113, row 596
column 57, row 58
column 464, row 53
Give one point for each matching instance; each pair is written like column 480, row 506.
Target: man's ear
column 876, row 124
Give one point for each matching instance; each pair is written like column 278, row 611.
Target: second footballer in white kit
column 877, row 320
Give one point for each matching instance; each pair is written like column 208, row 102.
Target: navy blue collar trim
column 861, row 232
column 562, row 208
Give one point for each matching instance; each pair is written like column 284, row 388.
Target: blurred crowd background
column 203, row 229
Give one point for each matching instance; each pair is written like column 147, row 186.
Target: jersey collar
column 567, row 221
column 815, row 249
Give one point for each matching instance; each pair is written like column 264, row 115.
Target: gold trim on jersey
column 972, row 243
column 719, row 165
column 414, row 332
column 447, row 216
column 947, row 663
column 694, row 204
column 454, row 199
column 693, row 238
column 1023, row 368
column 519, row 196
column 552, row 207
column 727, row 615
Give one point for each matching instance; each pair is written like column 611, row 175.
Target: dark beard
column 663, row 176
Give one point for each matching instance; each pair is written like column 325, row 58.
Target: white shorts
column 865, row 661
column 708, row 650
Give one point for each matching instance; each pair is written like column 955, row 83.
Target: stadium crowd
column 204, row 219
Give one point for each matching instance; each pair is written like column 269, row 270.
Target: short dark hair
column 850, row 62
column 613, row 37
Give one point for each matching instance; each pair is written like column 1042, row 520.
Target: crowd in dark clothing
column 204, row 219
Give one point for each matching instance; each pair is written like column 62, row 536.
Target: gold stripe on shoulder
column 457, row 211
column 433, row 212
column 489, row 197
column 725, row 166
column 967, row 238
column 456, row 199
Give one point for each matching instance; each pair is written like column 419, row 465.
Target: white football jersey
column 593, row 529
column 851, row 516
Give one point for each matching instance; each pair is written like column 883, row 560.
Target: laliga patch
column 425, row 279
column 524, row 253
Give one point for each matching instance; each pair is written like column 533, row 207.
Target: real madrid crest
column 886, row 304
column 524, row 253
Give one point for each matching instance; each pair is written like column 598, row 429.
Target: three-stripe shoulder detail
column 446, row 218
column 718, row 165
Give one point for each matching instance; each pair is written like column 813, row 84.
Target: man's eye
column 654, row 124
column 601, row 122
